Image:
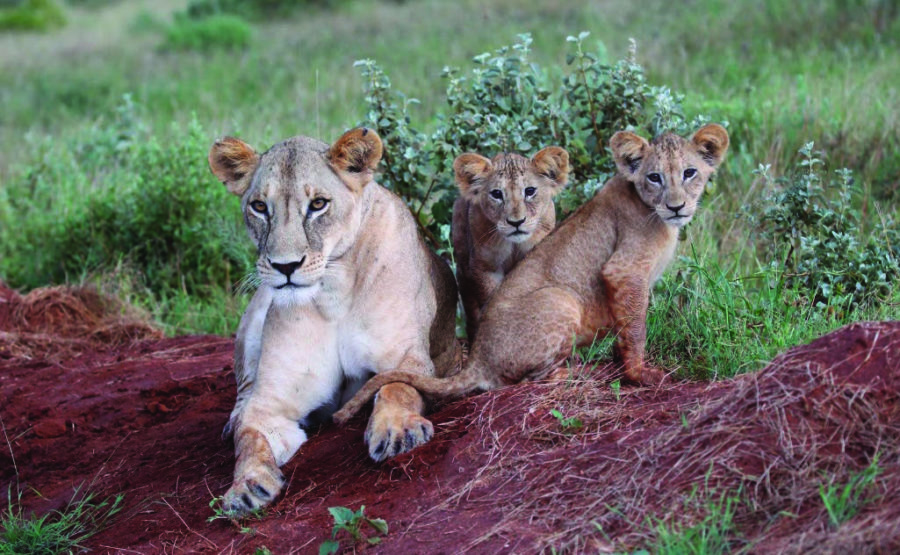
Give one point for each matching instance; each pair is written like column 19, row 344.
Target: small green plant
column 843, row 502
column 569, row 424
column 58, row 531
column 216, row 32
column 616, row 386
column 262, row 550
column 715, row 532
column 238, row 521
column 351, row 522
column 32, row 15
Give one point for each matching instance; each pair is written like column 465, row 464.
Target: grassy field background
column 106, row 122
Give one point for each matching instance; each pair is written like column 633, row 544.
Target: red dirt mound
column 501, row 474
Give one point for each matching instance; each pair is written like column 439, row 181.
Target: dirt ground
column 124, row 411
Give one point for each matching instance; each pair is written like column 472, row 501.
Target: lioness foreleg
column 397, row 424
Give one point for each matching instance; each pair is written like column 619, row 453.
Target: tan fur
column 348, row 289
column 590, row 277
column 491, row 235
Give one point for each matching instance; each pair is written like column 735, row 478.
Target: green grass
column 714, row 533
column 843, row 501
column 781, row 75
column 57, row 532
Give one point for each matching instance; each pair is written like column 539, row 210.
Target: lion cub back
column 504, row 210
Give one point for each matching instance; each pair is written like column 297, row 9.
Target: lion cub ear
column 233, row 162
column 628, row 151
column 711, row 142
column 553, row 163
column 470, row 170
column 355, row 156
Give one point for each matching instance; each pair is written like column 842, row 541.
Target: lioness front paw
column 388, row 436
column 255, row 489
column 644, row 375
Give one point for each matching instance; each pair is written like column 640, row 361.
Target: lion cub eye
column 530, row 191
column 689, row 173
column 259, row 206
column 496, row 194
column 654, row 178
column 317, row 204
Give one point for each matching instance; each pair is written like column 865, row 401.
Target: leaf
column 373, row 541
column 328, row 547
column 341, row 514
column 379, row 524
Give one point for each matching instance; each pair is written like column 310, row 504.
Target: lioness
column 505, row 209
column 592, row 275
column 348, row 288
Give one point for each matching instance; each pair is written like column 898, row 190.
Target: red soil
column 144, row 418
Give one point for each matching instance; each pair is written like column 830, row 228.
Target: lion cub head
column 513, row 191
column 670, row 172
column 301, row 202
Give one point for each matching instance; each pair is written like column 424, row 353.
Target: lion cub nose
column 287, row 268
column 515, row 223
column 675, row 209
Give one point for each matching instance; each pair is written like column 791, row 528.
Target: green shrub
column 253, row 9
column 32, row 15
column 219, row 31
column 507, row 103
column 117, row 197
column 810, row 226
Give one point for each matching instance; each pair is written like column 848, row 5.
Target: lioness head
column 670, row 172
column 512, row 190
column 301, row 203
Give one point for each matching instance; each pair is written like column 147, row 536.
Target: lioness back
column 592, row 276
column 505, row 209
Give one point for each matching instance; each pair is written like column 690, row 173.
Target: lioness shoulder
column 505, row 208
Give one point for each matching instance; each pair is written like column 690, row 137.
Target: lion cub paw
column 389, row 435
column 646, row 375
column 253, row 490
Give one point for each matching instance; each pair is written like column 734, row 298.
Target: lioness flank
column 348, row 289
column 590, row 276
column 505, row 209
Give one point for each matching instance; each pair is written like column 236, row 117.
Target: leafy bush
column 118, row 198
column 820, row 237
column 219, row 31
column 506, row 103
column 32, row 15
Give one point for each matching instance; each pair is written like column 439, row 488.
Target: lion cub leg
column 397, row 425
column 628, row 296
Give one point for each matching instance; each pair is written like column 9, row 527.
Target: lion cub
column 505, row 209
column 592, row 275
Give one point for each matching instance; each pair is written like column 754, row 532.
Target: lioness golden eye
column 317, row 204
column 654, row 178
column 259, row 206
column 530, row 191
column 497, row 194
column 689, row 173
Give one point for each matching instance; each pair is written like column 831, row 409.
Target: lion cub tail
column 467, row 381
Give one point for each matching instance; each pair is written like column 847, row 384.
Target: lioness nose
column 287, row 268
column 675, row 208
column 515, row 223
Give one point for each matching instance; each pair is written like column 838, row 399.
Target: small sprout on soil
column 715, row 532
column 616, row 387
column 684, row 422
column 219, row 512
column 844, row 502
column 351, row 522
column 569, row 425
column 262, row 550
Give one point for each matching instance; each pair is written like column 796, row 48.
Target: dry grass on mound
column 744, row 462
column 65, row 320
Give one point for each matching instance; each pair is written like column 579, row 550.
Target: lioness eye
column 317, row 204
column 654, row 178
column 689, row 173
column 530, row 191
column 259, row 206
column 497, row 194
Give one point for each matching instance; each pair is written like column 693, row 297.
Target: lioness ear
column 470, row 169
column 233, row 162
column 355, row 156
column 628, row 151
column 553, row 163
column 712, row 142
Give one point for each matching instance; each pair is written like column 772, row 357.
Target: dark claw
column 409, row 440
column 398, row 446
column 226, row 431
column 425, row 433
column 379, row 451
column 246, row 499
column 259, row 491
